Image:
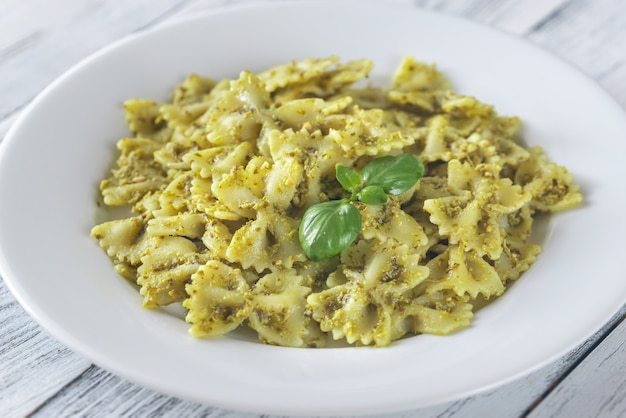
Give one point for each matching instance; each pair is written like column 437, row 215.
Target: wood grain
column 34, row 366
column 48, row 39
column 40, row 377
column 596, row 387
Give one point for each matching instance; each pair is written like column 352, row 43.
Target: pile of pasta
column 219, row 177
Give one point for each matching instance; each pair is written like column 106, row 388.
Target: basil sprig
column 330, row 227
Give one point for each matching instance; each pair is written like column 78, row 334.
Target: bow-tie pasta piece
column 467, row 274
column 215, row 161
column 282, row 182
column 371, row 307
column 516, row 258
column 317, row 155
column 391, row 222
column 440, row 314
column 333, row 80
column 176, row 196
column 295, row 72
column 417, row 85
column 189, row 225
column 442, row 311
column 136, row 172
column 550, row 184
column 219, row 300
column 412, row 75
column 144, row 118
column 124, row 241
column 443, row 142
column 518, row 224
column 308, row 113
column 166, row 266
column 216, row 238
column 193, row 89
column 279, row 313
column 268, row 242
column 364, row 133
column 242, row 189
column 472, row 215
column 203, row 200
column 181, row 118
column 238, row 113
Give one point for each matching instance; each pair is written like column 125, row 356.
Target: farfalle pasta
column 218, row 179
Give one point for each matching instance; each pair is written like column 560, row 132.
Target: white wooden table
column 40, row 39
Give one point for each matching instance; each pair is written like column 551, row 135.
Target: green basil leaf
column 348, row 178
column 373, row 195
column 328, row 228
column 394, row 174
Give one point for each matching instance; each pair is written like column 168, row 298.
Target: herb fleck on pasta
column 220, row 176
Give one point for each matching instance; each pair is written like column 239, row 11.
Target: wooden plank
column 509, row 15
column 45, row 39
column 519, row 397
column 99, row 393
column 590, row 35
column 108, row 395
column 34, row 365
column 48, row 39
column 596, row 388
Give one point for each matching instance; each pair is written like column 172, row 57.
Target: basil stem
column 330, row 227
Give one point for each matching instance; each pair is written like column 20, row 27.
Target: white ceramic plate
column 55, row 154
